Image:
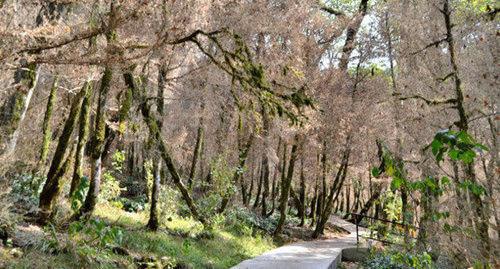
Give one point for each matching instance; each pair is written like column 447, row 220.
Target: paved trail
column 320, row 254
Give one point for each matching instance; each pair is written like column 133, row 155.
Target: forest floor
column 180, row 243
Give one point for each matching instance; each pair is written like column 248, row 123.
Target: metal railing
column 407, row 227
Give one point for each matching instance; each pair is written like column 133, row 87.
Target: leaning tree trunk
column 83, row 134
column 155, row 133
column 14, row 110
column 46, row 130
column 333, row 195
column 482, row 219
column 58, row 166
column 242, row 156
column 285, row 188
column 196, row 154
column 97, row 146
column 265, row 184
column 153, row 222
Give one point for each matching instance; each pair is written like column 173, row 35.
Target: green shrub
column 26, row 189
column 96, row 233
column 110, row 188
column 399, row 260
column 133, row 205
column 80, row 193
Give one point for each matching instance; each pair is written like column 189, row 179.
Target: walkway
column 320, row 254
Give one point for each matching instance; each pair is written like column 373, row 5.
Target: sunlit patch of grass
column 121, row 217
column 179, row 239
column 224, row 250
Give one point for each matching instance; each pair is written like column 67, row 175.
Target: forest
column 211, row 133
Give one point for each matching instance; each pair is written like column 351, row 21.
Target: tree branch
column 331, row 11
column 435, row 43
column 429, row 101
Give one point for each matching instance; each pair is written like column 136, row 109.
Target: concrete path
column 320, row 254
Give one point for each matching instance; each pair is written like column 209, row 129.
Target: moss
column 46, row 130
column 83, row 134
column 58, row 166
column 123, row 114
column 100, row 129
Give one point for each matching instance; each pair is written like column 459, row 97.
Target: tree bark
column 46, row 130
column 243, row 154
column 15, row 110
column 302, row 195
column 259, row 187
column 482, row 219
column 351, row 32
column 285, row 188
column 58, row 166
column 153, row 222
column 196, row 153
column 97, row 147
column 83, row 134
column 333, row 195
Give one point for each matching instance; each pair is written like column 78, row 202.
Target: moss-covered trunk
column 97, row 145
column 154, row 222
column 57, row 168
column 83, row 133
column 259, row 186
column 285, row 188
column 46, row 130
column 333, row 194
column 242, row 156
column 265, row 184
column 196, row 153
column 14, row 110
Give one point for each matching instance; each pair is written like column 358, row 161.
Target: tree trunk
column 83, row 134
column 196, row 153
column 334, row 193
column 259, row 187
column 14, row 111
column 243, row 154
column 302, row 195
column 46, row 130
column 153, row 222
column 265, row 182
column 482, row 219
column 273, row 193
column 285, row 187
column 155, row 133
column 97, row 146
column 351, row 32
column 58, row 166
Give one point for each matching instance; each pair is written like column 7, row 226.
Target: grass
column 181, row 240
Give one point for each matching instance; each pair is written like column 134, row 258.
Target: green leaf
column 396, row 183
column 481, row 147
column 439, row 156
column 375, row 172
column 468, row 156
column 436, row 145
column 454, row 153
column 445, row 181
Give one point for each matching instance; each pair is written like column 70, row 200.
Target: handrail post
column 357, row 231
